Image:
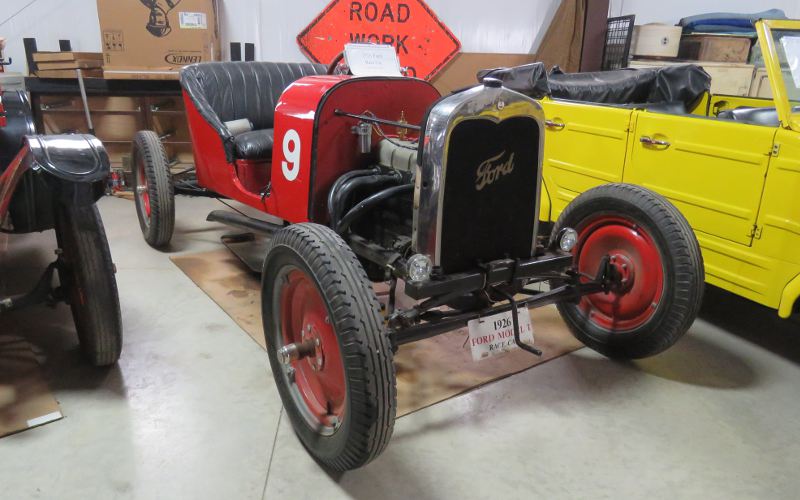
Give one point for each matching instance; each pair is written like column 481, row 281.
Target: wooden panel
column 174, row 125
column 594, row 35
column 462, row 71
column 56, row 103
column 720, row 48
column 108, row 127
column 66, row 56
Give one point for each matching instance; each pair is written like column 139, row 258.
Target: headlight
column 567, row 239
column 419, row 267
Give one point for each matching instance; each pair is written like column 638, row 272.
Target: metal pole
column 85, row 101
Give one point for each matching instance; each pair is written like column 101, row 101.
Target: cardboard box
column 157, row 37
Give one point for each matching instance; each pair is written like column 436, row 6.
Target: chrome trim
column 480, row 102
column 71, row 157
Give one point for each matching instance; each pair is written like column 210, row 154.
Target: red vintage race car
column 52, row 182
column 381, row 179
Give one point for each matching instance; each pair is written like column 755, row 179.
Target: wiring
column 381, row 133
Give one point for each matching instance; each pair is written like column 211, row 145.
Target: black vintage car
column 52, row 182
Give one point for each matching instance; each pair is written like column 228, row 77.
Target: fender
column 73, row 158
column 72, row 168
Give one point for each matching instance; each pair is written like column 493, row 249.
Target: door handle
column 653, row 142
column 555, row 125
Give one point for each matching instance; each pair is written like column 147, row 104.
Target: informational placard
column 366, row 59
column 422, row 42
column 494, row 334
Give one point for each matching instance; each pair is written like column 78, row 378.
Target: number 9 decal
column 291, row 151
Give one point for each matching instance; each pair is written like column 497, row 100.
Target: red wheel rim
column 141, row 188
column 636, row 257
column 316, row 381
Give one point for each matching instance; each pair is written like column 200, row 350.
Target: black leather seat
column 226, row 91
column 754, row 116
column 254, row 145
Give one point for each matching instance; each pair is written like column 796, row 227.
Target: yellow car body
column 738, row 184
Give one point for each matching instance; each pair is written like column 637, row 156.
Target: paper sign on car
column 494, row 334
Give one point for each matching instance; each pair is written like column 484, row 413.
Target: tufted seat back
column 226, row 91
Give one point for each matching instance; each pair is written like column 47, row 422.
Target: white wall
column 670, row 12
column 514, row 26
column 48, row 21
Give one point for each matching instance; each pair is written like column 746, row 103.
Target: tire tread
column 366, row 349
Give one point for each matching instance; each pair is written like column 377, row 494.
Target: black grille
column 618, row 42
column 489, row 207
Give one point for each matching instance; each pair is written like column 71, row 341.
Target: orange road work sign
column 424, row 44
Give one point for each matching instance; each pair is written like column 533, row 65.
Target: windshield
column 787, row 43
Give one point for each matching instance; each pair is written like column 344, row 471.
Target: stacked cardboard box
column 64, row 64
column 154, row 39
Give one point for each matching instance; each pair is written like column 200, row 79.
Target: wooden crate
column 726, row 78
column 718, row 48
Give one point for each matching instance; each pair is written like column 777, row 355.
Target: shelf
column 93, row 111
column 100, row 86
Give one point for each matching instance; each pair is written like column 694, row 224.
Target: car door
column 585, row 147
column 712, row 170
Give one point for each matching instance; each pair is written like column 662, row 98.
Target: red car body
column 304, row 119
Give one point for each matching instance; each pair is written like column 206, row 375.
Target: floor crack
column 272, row 454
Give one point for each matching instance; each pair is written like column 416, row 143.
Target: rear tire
column 654, row 247
column 87, row 278
column 313, row 288
column 155, row 194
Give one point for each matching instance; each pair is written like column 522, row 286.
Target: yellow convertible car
column 730, row 164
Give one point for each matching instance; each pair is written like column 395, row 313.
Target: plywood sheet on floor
column 428, row 371
column 25, row 398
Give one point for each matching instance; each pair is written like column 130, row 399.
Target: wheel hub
column 624, row 273
column 315, row 358
column 310, row 353
column 636, row 269
column 141, row 188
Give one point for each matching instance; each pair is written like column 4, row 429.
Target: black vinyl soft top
column 682, row 83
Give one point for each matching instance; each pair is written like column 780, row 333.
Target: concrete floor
column 191, row 410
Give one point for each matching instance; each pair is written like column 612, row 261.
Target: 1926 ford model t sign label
column 495, row 334
column 381, row 179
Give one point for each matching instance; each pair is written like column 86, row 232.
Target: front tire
column 154, row 192
column 340, row 398
column 653, row 247
column 87, row 277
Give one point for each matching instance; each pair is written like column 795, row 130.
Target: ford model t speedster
column 52, row 182
column 382, row 179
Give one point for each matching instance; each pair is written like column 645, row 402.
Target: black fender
column 75, row 166
column 59, row 169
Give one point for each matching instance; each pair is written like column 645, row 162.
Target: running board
column 250, row 248
column 243, row 222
